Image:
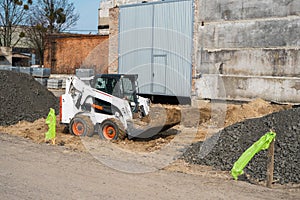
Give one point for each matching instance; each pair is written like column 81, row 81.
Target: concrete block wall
column 244, row 88
column 113, row 40
column 248, row 42
column 252, row 62
column 103, row 16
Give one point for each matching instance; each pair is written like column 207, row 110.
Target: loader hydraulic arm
column 84, row 95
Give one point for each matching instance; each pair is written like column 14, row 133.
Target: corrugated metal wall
column 155, row 42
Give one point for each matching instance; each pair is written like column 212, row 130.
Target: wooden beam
column 270, row 165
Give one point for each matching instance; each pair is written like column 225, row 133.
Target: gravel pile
column 23, row 98
column 234, row 140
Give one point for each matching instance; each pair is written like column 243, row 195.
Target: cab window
column 108, row 85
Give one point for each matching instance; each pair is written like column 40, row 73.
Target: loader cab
column 123, row 86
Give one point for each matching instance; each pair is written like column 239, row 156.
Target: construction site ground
column 40, row 171
column 33, row 169
column 165, row 166
column 234, row 113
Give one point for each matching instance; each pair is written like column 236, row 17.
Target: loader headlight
column 117, row 114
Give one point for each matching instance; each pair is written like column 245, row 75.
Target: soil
column 29, row 121
column 234, row 113
column 39, row 171
column 226, row 147
column 35, row 130
column 25, row 103
column 23, row 98
column 159, row 119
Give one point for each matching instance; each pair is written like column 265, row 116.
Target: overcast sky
column 88, row 10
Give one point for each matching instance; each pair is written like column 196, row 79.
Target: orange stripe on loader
column 97, row 107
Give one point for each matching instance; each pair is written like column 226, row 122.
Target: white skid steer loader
column 105, row 104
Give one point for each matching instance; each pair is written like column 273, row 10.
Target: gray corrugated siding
column 155, row 42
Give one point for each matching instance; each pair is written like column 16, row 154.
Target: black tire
column 112, row 129
column 81, row 125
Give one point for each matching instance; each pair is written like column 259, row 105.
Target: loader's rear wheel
column 81, row 125
column 112, row 129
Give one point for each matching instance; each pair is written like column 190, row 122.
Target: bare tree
column 12, row 15
column 35, row 38
column 48, row 17
column 55, row 15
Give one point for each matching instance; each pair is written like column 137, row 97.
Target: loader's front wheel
column 112, row 129
column 81, row 125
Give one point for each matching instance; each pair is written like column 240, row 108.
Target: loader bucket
column 159, row 119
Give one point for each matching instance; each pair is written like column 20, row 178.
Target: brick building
column 64, row 53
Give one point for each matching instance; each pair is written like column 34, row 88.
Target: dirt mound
column 36, row 130
column 234, row 140
column 253, row 109
column 23, row 98
column 234, row 113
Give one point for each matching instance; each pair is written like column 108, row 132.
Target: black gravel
column 23, row 98
column 231, row 142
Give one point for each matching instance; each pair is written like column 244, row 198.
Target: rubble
column 23, row 98
column 235, row 139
